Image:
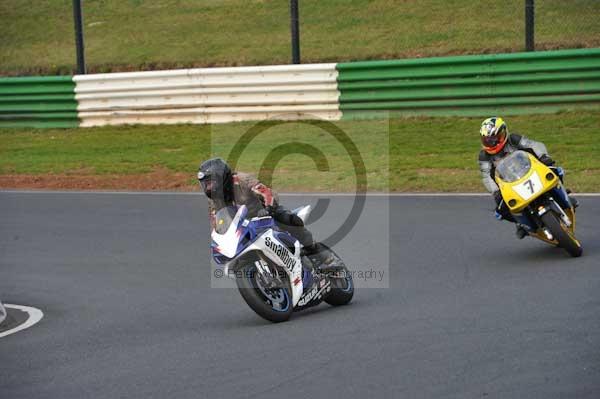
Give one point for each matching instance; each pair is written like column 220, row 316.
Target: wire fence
column 567, row 24
column 160, row 34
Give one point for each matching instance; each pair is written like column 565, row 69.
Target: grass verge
column 37, row 37
column 421, row 154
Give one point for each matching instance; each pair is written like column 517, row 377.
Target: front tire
column 562, row 235
column 274, row 305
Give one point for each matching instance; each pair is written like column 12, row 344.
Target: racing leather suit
column 488, row 162
column 247, row 190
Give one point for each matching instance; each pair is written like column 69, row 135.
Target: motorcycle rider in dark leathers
column 497, row 143
column 225, row 187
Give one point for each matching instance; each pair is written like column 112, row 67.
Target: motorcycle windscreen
column 514, row 166
column 223, row 218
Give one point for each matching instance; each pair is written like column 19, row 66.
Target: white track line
column 368, row 194
column 35, row 315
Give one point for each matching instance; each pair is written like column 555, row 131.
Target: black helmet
column 216, row 179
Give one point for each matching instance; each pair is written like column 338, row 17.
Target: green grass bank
column 38, row 37
column 421, row 154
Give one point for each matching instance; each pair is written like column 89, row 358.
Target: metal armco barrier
column 209, row 95
column 472, row 85
column 482, row 85
column 38, row 102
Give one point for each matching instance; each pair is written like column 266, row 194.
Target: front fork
column 531, row 219
column 269, row 275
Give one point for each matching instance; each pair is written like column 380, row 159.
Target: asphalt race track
column 124, row 284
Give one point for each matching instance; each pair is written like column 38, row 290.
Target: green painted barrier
column 474, row 85
column 517, row 83
column 40, row 102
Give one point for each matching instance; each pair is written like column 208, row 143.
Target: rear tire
column 560, row 233
column 259, row 302
column 342, row 290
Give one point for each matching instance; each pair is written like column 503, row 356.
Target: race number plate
column 529, row 187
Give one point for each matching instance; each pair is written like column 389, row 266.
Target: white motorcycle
column 272, row 275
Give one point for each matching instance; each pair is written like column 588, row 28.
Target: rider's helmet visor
column 206, row 182
column 495, row 140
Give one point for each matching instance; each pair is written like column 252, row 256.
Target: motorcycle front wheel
column 562, row 234
column 273, row 304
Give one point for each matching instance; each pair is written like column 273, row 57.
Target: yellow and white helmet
column 494, row 134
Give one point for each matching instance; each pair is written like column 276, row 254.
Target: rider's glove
column 497, row 197
column 266, row 211
column 546, row 160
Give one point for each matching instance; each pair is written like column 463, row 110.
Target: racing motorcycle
column 272, row 275
column 537, row 200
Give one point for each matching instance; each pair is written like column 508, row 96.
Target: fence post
column 78, row 18
column 295, row 32
column 529, row 25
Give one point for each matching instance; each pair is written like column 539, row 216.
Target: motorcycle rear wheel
column 342, row 290
column 562, row 235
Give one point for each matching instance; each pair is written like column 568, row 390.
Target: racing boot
column 320, row 256
column 572, row 200
column 521, row 232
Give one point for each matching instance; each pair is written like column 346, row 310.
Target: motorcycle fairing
column 559, row 194
column 244, row 236
column 526, row 183
column 293, row 268
column 239, row 235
